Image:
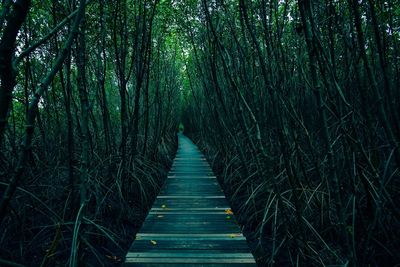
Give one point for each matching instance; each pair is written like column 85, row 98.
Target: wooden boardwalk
column 190, row 223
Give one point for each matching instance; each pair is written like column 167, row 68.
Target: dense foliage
column 296, row 104
column 299, row 104
column 91, row 127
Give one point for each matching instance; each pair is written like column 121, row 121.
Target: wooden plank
column 192, row 173
column 192, row 154
column 189, row 173
column 191, row 209
column 191, row 165
column 193, row 227
column 194, row 214
column 204, row 192
column 185, row 186
column 190, row 255
column 198, row 202
column 187, row 182
column 199, row 236
column 180, row 158
column 188, row 264
column 185, row 218
column 196, row 190
column 195, row 163
column 199, row 228
column 191, row 217
column 191, row 177
column 187, row 203
column 192, row 245
column 188, row 197
column 191, row 260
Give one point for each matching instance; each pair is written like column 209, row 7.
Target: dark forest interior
column 295, row 103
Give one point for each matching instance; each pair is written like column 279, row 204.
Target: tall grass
column 44, row 227
column 287, row 231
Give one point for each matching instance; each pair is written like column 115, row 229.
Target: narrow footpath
column 190, row 223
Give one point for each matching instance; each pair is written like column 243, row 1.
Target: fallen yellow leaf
column 228, row 211
column 153, row 242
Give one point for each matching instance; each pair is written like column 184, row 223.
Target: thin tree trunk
column 7, row 50
column 377, row 95
column 85, row 111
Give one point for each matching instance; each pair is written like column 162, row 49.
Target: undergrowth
column 38, row 230
column 283, row 231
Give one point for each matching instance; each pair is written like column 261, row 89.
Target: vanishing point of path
column 190, row 223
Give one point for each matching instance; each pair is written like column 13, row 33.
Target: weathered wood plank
column 191, row 183
column 205, row 214
column 190, row 255
column 189, row 245
column 190, row 260
column 193, row 177
column 185, row 196
column 189, row 165
column 179, row 236
column 189, row 265
column 200, row 228
column 199, row 163
column 206, row 193
column 181, row 188
column 184, row 203
column 191, row 209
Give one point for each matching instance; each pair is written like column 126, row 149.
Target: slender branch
column 45, row 38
